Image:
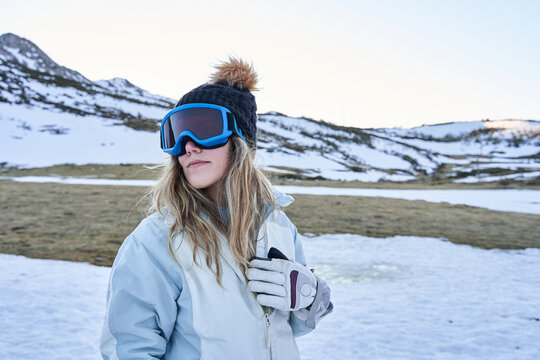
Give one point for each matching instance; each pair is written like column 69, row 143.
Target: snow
column 473, row 148
column 79, row 181
column 25, row 142
column 395, row 298
column 375, row 157
column 398, row 148
column 291, row 127
column 87, row 139
column 508, row 128
column 50, row 309
column 513, row 200
column 313, row 163
column 22, row 59
column 124, row 87
column 37, row 137
column 514, row 165
column 442, row 130
column 511, row 128
column 80, row 100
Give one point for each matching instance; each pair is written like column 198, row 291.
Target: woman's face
column 203, row 168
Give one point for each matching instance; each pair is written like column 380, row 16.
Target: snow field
column 29, row 139
column 85, row 141
column 423, row 298
column 395, row 298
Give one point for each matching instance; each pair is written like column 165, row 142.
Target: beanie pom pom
column 236, row 73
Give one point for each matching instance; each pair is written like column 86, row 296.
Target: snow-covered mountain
column 50, row 115
column 29, row 77
column 461, row 151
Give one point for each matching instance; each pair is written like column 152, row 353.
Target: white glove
column 282, row 284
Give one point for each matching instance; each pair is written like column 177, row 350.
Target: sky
column 355, row 63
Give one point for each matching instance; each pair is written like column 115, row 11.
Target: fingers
column 272, row 301
column 273, row 265
column 267, row 276
column 267, row 288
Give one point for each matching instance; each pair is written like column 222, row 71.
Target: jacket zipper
column 266, row 309
column 268, row 323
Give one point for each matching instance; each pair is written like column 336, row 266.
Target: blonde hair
column 245, row 190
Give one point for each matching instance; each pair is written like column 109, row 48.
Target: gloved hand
column 282, row 284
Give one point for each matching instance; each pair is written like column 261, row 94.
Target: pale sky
column 358, row 63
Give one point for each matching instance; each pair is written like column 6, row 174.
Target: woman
column 217, row 271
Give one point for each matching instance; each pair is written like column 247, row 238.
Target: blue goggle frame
column 214, row 141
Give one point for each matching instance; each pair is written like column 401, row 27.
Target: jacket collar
column 282, row 200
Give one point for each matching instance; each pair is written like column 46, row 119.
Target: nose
column 192, row 147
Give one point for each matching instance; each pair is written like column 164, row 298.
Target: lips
column 197, row 163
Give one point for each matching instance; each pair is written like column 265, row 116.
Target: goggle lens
column 203, row 123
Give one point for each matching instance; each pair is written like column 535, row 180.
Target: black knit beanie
column 230, row 86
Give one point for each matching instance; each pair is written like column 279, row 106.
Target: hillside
column 50, row 114
column 29, row 77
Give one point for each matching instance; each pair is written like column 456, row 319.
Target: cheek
column 224, row 167
column 226, row 161
column 180, row 163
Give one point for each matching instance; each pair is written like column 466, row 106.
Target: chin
column 200, row 184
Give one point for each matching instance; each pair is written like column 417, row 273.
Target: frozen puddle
column 395, row 298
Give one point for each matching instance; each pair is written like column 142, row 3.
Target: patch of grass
column 297, row 176
column 534, row 156
column 61, row 106
column 50, row 79
column 426, row 137
column 54, row 221
column 381, row 217
column 89, row 223
column 361, row 137
column 140, row 124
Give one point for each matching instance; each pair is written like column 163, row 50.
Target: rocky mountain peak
column 31, row 77
column 18, row 50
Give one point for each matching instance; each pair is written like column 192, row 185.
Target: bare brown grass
column 89, row 223
column 383, row 217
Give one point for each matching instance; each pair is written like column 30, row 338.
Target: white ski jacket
column 164, row 308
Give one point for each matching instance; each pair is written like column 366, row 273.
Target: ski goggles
column 208, row 125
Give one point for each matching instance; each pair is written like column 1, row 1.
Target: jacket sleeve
column 141, row 304
column 299, row 319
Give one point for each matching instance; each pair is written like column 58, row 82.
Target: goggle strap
column 230, row 121
column 230, row 124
